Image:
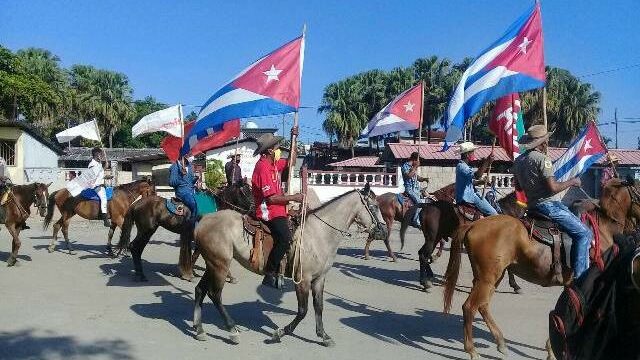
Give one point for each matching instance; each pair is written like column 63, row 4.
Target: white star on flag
column 587, row 145
column 524, row 44
column 272, row 74
column 408, row 106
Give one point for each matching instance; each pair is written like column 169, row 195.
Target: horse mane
column 24, row 189
column 131, row 186
column 331, row 201
column 445, row 192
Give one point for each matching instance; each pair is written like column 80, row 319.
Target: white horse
column 220, row 238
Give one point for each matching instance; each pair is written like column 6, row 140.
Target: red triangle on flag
column 408, row 106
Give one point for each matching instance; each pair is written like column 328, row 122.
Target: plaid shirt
column 410, row 182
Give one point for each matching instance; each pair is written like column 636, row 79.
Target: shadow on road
column 380, row 255
column 29, row 344
column 176, row 307
column 5, row 255
column 120, row 273
column 403, row 278
column 416, row 330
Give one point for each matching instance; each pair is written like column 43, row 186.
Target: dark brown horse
column 18, row 208
column 497, row 243
column 123, row 196
column 151, row 212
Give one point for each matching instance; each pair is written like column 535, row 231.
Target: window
column 8, row 151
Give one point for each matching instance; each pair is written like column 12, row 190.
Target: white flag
column 169, row 120
column 88, row 130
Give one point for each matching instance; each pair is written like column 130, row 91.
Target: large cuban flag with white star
column 513, row 63
column 402, row 113
column 270, row 86
column 583, row 152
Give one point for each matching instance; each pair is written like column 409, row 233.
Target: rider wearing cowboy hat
column 271, row 203
column 533, row 172
column 609, row 172
column 466, row 178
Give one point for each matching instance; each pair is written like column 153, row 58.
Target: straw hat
column 612, row 159
column 466, row 147
column 535, row 135
column 267, row 141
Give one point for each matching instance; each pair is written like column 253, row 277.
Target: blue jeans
column 570, row 223
column 415, row 196
column 482, row 204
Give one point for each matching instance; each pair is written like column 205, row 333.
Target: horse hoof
column 518, row 291
column 328, row 343
column 11, row 261
column 475, row 356
column 51, row 248
column 201, row 336
column 234, row 338
column 72, row 252
column 394, row 259
column 503, row 349
column 187, row 278
column 277, row 335
column 232, row 280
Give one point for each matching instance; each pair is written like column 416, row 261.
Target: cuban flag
column 402, row 113
column 513, row 63
column 270, row 86
column 581, row 154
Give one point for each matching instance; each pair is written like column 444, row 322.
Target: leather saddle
column 176, row 206
column 468, row 211
column 405, row 201
column 262, row 244
column 546, row 231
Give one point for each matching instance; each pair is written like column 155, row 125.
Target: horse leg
column 217, row 280
column 201, row 291
column 54, row 239
column 302, row 293
column 512, row 282
column 547, row 346
column 136, row 248
column 484, row 297
column 65, row 233
column 469, row 309
column 386, row 240
column 440, row 248
column 231, row 279
column 366, row 248
column 422, row 259
column 15, row 244
column 112, row 229
column 317, row 291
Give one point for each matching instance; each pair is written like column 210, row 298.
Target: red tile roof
column 433, row 152
column 358, row 161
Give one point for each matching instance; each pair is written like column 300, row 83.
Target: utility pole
column 615, row 118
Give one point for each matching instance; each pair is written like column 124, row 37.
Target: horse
column 18, row 208
column 221, row 239
column 123, row 196
column 151, row 212
column 497, row 243
column 391, row 210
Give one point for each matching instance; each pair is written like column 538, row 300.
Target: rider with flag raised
column 466, row 178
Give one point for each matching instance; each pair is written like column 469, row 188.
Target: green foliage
column 214, row 175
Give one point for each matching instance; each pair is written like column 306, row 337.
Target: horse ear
column 49, row 184
column 367, row 189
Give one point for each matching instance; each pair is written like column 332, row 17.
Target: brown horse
column 497, row 243
column 151, row 212
column 123, row 196
column 18, row 208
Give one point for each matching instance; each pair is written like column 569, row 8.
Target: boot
column 272, row 280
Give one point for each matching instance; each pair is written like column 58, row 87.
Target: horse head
column 40, row 197
column 147, row 186
column 369, row 216
column 620, row 200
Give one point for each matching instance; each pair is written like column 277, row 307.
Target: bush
column 214, row 175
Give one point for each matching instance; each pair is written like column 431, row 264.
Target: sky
column 182, row 51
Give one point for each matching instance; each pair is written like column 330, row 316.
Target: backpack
column 589, row 321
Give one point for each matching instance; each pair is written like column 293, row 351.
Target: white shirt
column 97, row 173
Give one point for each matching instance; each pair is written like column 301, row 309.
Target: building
column 30, row 157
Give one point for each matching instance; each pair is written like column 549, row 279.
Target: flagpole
column 493, row 146
column 544, row 108
column 294, row 137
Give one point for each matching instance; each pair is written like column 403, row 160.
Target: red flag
column 171, row 144
column 504, row 123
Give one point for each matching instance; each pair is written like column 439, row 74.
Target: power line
column 610, row 70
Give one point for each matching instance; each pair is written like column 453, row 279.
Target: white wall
column 245, row 150
column 38, row 155
column 328, row 192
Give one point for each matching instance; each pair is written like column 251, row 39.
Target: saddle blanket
column 91, row 194
column 206, row 203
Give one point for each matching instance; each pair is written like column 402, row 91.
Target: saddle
column 262, row 244
column 405, row 201
column 175, row 206
column 91, row 194
column 468, row 211
column 546, row 231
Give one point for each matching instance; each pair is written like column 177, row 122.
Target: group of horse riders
column 533, row 173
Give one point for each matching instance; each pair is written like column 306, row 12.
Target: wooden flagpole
column 294, row 138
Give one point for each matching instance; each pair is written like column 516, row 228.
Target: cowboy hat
column 267, row 141
column 612, row 159
column 535, row 135
column 466, row 147
column 233, row 155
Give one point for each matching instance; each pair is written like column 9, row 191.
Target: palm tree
column 440, row 78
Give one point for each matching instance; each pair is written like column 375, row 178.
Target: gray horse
column 220, row 238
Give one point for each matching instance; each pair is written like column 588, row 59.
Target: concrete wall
column 439, row 176
column 34, row 162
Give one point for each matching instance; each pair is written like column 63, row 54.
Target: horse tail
column 125, row 231
column 453, row 268
column 184, row 261
column 50, row 208
column 404, row 224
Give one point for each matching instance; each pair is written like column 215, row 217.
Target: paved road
column 86, row 306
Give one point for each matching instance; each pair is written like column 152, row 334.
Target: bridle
column 371, row 210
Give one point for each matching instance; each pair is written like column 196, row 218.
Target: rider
column 466, row 178
column 271, row 202
column 232, row 170
column 412, row 183
column 609, row 172
column 183, row 180
column 96, row 168
column 533, row 171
